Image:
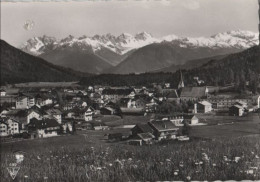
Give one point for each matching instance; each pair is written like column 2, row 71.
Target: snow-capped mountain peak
column 143, row 36
column 126, row 42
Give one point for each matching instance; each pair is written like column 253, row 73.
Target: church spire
column 181, row 83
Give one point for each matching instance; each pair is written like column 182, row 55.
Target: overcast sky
column 158, row 17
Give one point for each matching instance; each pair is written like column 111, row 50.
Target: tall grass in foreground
column 234, row 159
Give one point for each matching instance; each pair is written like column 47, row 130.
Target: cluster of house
column 44, row 112
column 166, row 128
column 39, row 114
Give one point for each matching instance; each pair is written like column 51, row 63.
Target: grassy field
column 76, row 158
column 232, row 153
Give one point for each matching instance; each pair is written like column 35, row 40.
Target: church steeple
column 181, row 83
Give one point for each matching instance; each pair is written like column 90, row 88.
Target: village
column 42, row 112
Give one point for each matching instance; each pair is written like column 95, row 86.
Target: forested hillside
column 17, row 66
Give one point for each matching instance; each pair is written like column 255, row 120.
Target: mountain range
column 137, row 53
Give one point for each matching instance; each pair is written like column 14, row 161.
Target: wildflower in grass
column 45, row 178
column 175, row 173
column 196, row 163
column 130, row 159
column 168, row 160
column 214, row 165
column 250, row 171
column 252, row 153
column 110, row 164
column 134, row 166
column 257, row 157
column 200, row 162
column 181, row 165
column 254, row 168
column 188, row 178
column 237, row 159
column 98, row 168
column 38, row 158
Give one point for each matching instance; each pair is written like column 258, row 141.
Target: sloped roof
column 172, row 94
column 144, row 136
column 163, row 125
column 238, row 106
column 21, row 113
column 193, row 92
column 53, row 111
column 205, row 103
column 42, row 124
column 145, row 128
column 108, row 108
column 241, row 103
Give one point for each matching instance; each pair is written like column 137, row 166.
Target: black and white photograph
column 129, row 90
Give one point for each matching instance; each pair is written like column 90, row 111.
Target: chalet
column 236, row 110
column 67, row 125
column 141, row 128
column 190, row 119
column 107, row 111
column 80, row 103
column 85, row 114
column 43, row 128
column 3, row 128
column 2, row 92
column 44, row 99
column 55, row 113
column 13, row 126
column 24, row 116
column 193, row 93
column 147, row 138
column 115, row 95
column 163, row 129
column 151, row 105
column 204, row 107
column 9, row 126
column 24, row 102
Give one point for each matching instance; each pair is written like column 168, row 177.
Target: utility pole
column 259, row 21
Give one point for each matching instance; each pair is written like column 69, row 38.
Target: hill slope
column 190, row 64
column 236, row 68
column 18, row 66
column 161, row 55
column 77, row 60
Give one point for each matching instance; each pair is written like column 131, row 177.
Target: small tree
column 186, row 129
column 61, row 130
column 73, row 127
column 67, row 129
